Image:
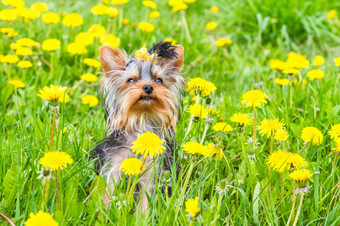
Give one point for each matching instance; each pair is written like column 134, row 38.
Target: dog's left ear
column 176, row 61
column 111, row 59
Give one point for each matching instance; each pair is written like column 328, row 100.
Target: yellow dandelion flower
column 173, row 41
column 84, row 38
column 270, row 126
column 331, row 14
column 300, row 176
column 8, row 14
column 41, row 218
column 89, row 77
column 6, row 30
column 193, row 147
column 110, row 40
column 51, row 44
column 201, row 86
column 90, row 100
column 214, row 9
column 191, row 206
column 223, row 41
column 76, row 48
column 14, row 3
column 197, row 111
column 14, row 46
column 24, row 64
column 17, row 83
column 312, row 135
column 335, row 131
column 132, row 166
column 281, row 160
column 64, row 99
column 12, row 34
column 26, row 42
column 254, row 98
column 72, row 20
column 222, row 127
column 97, row 30
column 148, row 144
column 212, row 111
column 189, row 1
column 24, row 51
column 52, row 93
column 281, row 135
column 112, row 12
column 10, row 59
column 27, row 14
column 50, row 18
column 150, row 4
column 92, row 62
column 318, row 60
column 277, row 64
column 142, row 54
column 291, row 71
column 282, row 82
column 154, row 14
column 296, row 60
column 178, row 6
column 119, row 2
column 241, row 118
column 56, row 160
column 210, row 150
column 315, row 74
column 40, row 7
column 337, row 61
column 145, row 26
column 99, row 10
column 211, row 26
column 337, row 144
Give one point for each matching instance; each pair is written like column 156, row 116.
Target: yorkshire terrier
column 142, row 92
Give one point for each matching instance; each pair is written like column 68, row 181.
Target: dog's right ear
column 111, row 59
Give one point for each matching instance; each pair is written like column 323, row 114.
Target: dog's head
column 142, row 90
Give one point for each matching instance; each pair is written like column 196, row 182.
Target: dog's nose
column 148, row 89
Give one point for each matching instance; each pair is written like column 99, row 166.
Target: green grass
column 260, row 30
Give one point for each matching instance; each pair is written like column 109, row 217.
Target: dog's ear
column 176, row 61
column 112, row 59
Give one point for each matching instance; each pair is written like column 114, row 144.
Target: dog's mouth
column 146, row 99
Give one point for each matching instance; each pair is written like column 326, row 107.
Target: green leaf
column 256, row 202
column 97, row 191
column 10, row 184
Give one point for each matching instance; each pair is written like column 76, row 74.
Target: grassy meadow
column 234, row 184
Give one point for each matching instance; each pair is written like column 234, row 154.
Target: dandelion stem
column 136, row 179
column 56, row 189
column 191, row 119
column 7, row 219
column 291, row 215
column 205, row 132
column 254, row 137
column 335, row 157
column 298, row 211
column 186, row 183
column 290, row 94
column 303, row 148
column 271, row 144
column 45, row 192
column 52, row 132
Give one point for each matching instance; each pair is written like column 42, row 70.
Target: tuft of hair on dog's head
column 143, row 95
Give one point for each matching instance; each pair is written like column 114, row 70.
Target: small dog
column 141, row 93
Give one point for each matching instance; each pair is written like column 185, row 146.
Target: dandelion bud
column 208, row 100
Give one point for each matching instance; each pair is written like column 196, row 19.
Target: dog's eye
column 158, row 80
column 131, row 80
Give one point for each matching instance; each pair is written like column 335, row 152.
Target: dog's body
column 142, row 93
